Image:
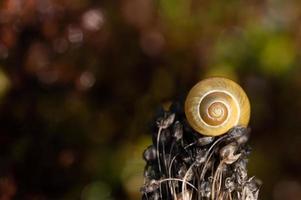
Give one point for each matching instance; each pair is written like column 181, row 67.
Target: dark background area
column 81, row 80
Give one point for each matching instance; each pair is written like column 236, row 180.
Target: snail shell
column 215, row 105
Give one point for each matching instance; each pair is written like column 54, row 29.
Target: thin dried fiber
column 184, row 165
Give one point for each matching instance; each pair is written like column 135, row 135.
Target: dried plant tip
column 205, row 141
column 237, row 132
column 232, row 158
column 228, row 150
column 205, row 189
column 166, row 121
column 229, row 184
column 241, row 172
column 243, row 139
column 149, row 172
column 253, row 184
column 178, row 131
column 248, row 194
column 189, row 175
column 149, row 154
column 181, row 172
column 150, row 186
column 201, row 157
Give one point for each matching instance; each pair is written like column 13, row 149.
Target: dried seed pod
column 215, row 105
column 205, row 189
column 239, row 133
column 178, row 130
column 150, row 172
column 201, row 157
column 230, row 184
column 227, row 153
column 166, row 121
column 149, row 154
column 204, row 141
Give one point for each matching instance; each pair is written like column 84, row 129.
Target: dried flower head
column 183, row 165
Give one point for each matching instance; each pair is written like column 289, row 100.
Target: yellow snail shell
column 215, row 105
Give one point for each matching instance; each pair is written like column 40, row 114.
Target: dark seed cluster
column 184, row 165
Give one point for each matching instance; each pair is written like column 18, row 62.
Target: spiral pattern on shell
column 215, row 105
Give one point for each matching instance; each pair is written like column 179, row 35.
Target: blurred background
column 81, row 80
